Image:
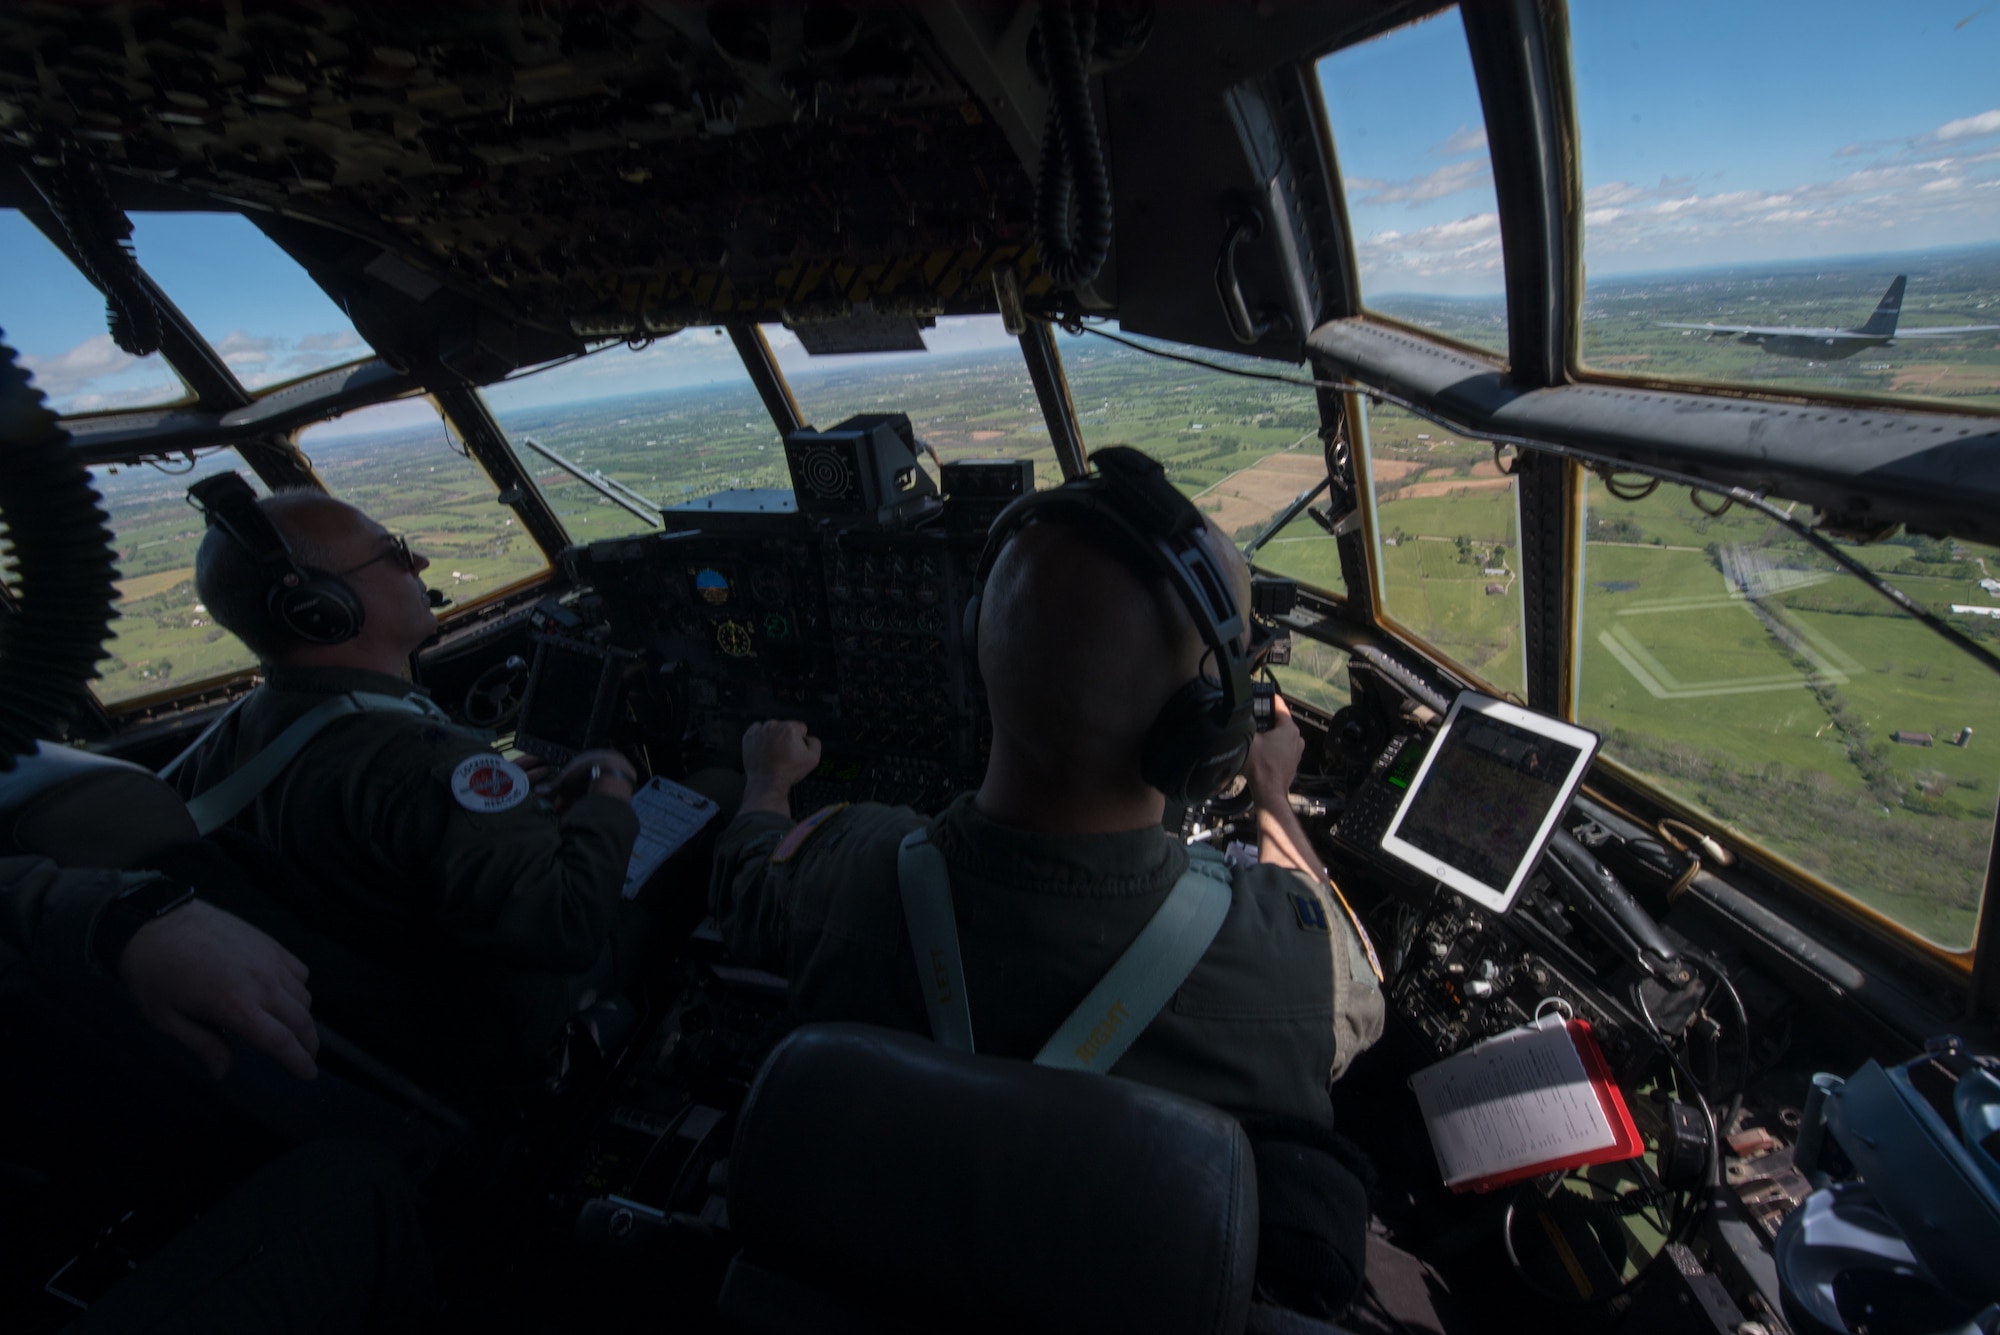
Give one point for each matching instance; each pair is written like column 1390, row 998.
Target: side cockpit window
column 1448, row 545
column 1411, row 141
column 164, row 640
column 1779, row 197
column 1748, row 676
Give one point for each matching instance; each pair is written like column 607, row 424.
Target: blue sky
column 1712, row 133
column 268, row 319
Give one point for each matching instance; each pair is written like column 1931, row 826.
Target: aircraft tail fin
column 1883, row 322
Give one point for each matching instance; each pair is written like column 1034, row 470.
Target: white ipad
column 1491, row 788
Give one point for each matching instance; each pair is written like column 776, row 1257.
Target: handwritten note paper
column 1519, row 1099
column 669, row 815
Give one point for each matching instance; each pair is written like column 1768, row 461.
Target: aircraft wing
column 1790, row 330
column 1949, row 331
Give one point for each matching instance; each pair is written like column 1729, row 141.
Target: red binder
column 1627, row 1144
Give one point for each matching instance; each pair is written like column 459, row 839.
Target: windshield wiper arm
column 1286, row 516
column 617, row 492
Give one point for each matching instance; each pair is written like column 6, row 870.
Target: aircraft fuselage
column 1820, row 348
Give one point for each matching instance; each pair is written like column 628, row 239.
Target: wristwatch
column 123, row 917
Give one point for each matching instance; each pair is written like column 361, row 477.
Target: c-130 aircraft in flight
column 1826, row 345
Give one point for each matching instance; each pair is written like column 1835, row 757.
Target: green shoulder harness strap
column 216, row 807
column 1125, row 1000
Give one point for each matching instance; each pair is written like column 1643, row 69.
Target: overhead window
column 400, row 464
column 164, row 639
column 1411, row 139
column 258, row 309
column 53, row 317
column 1790, row 196
column 1743, row 672
column 625, row 432
column 1448, row 545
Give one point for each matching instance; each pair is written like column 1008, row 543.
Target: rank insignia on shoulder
column 1312, row 914
column 796, row 837
column 488, row 783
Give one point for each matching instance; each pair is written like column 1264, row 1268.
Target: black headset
column 313, row 605
column 1202, row 735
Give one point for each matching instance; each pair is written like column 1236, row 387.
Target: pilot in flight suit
column 1059, row 859
column 418, row 846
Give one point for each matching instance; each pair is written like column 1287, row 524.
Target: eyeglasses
column 398, row 550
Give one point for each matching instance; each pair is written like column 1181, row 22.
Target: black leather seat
column 81, row 809
column 880, row 1180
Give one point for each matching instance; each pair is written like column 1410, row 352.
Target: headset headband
column 226, row 502
column 309, row 604
column 1129, row 495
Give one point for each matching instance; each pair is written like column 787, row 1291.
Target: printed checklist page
column 669, row 815
column 1519, row 1099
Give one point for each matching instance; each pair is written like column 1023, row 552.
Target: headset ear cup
column 1189, row 753
column 321, row 610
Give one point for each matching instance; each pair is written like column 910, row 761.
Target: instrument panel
column 753, row 611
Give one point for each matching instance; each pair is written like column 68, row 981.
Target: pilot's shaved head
column 318, row 529
column 1080, row 648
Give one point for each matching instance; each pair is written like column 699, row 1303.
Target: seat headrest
column 81, row 809
column 977, row 1191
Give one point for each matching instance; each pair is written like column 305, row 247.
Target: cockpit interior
column 1523, row 348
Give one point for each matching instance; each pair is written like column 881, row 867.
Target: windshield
column 968, row 395
column 621, row 434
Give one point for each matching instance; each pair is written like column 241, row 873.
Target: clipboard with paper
column 1533, row 1100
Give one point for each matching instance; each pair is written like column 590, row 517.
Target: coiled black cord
column 64, row 593
column 1073, row 196
column 101, row 235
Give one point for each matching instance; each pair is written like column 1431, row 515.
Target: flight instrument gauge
column 734, row 639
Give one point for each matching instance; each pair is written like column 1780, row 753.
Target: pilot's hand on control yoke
column 201, row 976
column 615, row 777
column 1274, row 758
column 777, row 753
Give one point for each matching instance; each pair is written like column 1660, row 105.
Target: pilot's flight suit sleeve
column 47, row 914
column 515, row 885
column 780, row 885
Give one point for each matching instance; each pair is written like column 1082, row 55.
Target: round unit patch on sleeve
column 488, row 783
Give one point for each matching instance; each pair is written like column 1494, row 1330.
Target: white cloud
column 338, row 341
column 1465, row 252
column 1471, row 174
column 244, row 351
column 65, row 373
column 97, row 375
column 1915, row 198
column 1468, row 139
column 1970, row 127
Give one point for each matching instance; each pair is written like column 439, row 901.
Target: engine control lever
column 1603, row 890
